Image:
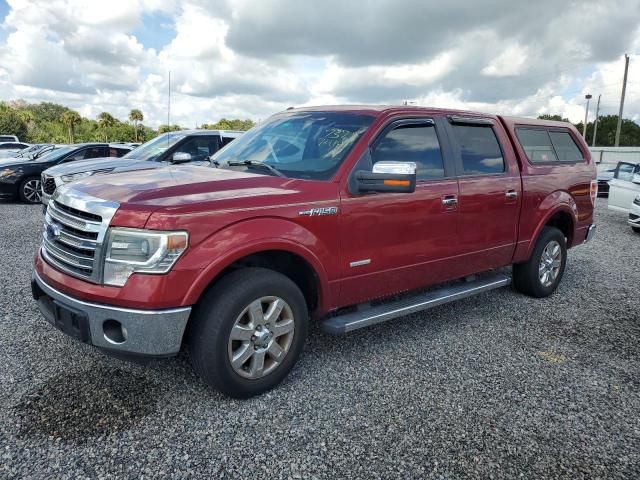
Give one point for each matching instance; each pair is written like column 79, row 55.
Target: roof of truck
column 378, row 109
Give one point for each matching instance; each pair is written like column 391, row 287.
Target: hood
column 93, row 164
column 171, row 187
column 13, row 162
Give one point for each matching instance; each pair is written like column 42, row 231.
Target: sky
column 250, row 59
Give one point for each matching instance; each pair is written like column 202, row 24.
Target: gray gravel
column 497, row 386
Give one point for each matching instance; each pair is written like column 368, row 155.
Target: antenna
column 169, row 110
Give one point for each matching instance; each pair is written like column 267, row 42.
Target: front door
column 393, row 242
column 622, row 189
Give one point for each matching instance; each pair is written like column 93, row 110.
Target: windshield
column 309, row 145
column 151, row 150
column 56, row 154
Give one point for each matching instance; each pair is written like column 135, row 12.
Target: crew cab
column 348, row 216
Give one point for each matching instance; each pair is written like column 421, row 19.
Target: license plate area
column 68, row 320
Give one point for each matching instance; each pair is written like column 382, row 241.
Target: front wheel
column 248, row 332
column 636, row 229
column 29, row 190
column 540, row 275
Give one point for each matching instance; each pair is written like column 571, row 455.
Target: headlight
column 75, row 176
column 6, row 173
column 143, row 251
column 636, row 200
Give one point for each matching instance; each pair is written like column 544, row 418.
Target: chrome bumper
column 122, row 330
column 591, row 232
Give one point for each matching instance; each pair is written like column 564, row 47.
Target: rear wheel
column 248, row 332
column 30, row 191
column 541, row 274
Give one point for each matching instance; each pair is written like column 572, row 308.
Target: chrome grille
column 48, row 184
column 74, row 231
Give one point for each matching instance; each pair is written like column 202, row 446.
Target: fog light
column 114, row 332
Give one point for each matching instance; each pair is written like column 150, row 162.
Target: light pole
column 586, row 114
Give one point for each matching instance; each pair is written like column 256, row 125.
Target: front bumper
column 119, row 330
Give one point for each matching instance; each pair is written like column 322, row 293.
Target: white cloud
column 249, row 59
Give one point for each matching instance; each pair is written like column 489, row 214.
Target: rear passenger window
column 412, row 143
column 479, row 149
column 537, row 145
column 566, row 148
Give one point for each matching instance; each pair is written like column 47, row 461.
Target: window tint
column 537, row 145
column 199, row 147
column 227, row 140
column 7, row 139
column 479, row 149
column 412, row 143
column 117, row 152
column 94, row 152
column 625, row 171
column 566, row 148
column 78, row 155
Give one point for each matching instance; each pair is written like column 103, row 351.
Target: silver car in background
column 184, row 146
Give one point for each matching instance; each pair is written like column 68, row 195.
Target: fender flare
column 557, row 202
column 260, row 244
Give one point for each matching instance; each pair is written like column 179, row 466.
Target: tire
column 30, row 191
column 226, row 308
column 636, row 229
column 529, row 278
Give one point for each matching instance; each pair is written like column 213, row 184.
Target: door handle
column 449, row 201
column 511, row 194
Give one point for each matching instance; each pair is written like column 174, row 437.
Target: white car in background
column 624, row 192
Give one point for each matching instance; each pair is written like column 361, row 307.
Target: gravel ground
column 497, row 386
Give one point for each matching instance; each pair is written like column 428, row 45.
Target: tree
column 557, row 118
column 136, row 116
column 168, row 128
column 226, row 124
column 106, row 120
column 12, row 124
column 71, row 119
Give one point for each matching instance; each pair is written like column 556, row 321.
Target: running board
column 381, row 313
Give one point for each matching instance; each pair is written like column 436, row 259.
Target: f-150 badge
column 316, row 212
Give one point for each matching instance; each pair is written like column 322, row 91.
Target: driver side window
column 199, row 147
column 625, row 172
column 412, row 143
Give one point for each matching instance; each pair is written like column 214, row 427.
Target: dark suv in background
column 184, row 146
column 21, row 179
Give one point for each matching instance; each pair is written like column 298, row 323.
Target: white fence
column 608, row 157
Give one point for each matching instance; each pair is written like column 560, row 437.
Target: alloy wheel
column 550, row 263
column 261, row 337
column 32, row 191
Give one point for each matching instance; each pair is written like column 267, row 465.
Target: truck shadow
column 89, row 403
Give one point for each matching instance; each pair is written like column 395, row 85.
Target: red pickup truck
column 343, row 215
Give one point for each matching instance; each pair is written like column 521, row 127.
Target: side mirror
column 636, row 178
column 389, row 177
column 181, row 157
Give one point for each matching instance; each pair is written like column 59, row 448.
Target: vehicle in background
column 20, row 178
column 9, row 149
column 634, row 214
column 603, row 182
column 8, row 138
column 326, row 213
column 624, row 186
column 185, row 146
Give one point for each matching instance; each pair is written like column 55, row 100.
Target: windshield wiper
column 253, row 163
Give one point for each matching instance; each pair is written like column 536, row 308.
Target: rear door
column 622, row 190
column 490, row 192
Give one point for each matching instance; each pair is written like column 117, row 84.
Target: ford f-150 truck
column 348, row 216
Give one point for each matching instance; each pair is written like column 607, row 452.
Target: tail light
column 594, row 192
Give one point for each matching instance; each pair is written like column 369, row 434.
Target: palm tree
column 106, row 120
column 136, row 116
column 71, row 118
